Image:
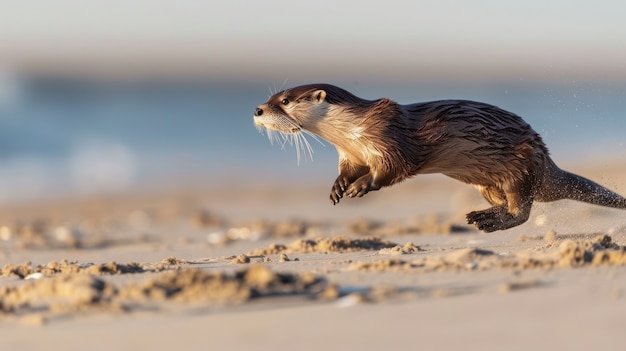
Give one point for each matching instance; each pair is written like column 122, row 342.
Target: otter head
column 291, row 111
column 294, row 112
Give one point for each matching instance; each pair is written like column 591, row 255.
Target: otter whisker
column 273, row 136
column 296, row 141
column 269, row 135
column 315, row 137
column 305, row 144
column 263, row 130
column 288, row 139
column 283, row 85
column 259, row 128
column 284, row 141
column 276, row 135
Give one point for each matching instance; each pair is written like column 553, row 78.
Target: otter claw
column 335, row 197
column 356, row 191
column 488, row 220
column 495, row 218
column 338, row 190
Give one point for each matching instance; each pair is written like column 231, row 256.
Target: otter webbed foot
column 339, row 187
column 495, row 218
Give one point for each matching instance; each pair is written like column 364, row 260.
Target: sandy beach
column 260, row 267
column 140, row 208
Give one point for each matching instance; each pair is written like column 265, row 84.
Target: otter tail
column 574, row 187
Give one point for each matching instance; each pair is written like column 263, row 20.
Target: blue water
column 77, row 136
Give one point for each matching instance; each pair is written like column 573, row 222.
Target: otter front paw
column 492, row 219
column 339, row 187
column 360, row 187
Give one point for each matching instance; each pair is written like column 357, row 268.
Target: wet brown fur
column 381, row 143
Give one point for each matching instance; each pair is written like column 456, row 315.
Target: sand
column 201, row 267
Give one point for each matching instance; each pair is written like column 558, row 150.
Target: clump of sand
column 173, row 261
column 197, row 285
column 240, row 259
column 570, row 253
column 337, row 245
column 382, row 265
column 408, row 248
column 27, row 270
column 469, row 258
column 601, row 251
column 71, row 292
column 66, row 267
column 59, row 294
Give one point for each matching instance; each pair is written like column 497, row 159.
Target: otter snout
column 258, row 112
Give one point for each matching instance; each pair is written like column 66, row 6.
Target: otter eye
column 285, row 102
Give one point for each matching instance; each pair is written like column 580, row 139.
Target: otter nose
column 258, row 112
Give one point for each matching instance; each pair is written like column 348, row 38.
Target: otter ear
column 319, row 96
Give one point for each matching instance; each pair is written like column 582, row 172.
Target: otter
column 381, row 143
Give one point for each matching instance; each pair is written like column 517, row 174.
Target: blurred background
column 110, row 96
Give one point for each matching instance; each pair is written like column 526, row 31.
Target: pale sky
column 268, row 38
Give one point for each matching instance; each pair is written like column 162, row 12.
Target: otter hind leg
column 507, row 212
column 492, row 194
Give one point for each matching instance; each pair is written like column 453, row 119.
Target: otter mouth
column 284, row 130
column 282, row 125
